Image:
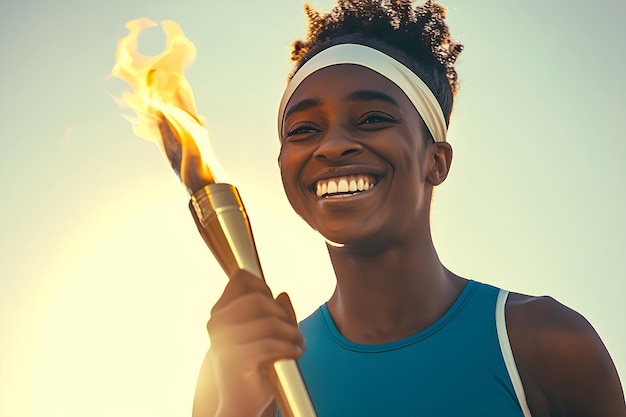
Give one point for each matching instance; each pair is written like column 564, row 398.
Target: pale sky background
column 105, row 285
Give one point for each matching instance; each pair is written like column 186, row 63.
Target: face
column 355, row 159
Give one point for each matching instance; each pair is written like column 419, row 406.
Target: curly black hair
column 418, row 37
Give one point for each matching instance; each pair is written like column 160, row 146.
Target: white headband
column 416, row 90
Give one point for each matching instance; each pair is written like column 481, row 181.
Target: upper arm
column 564, row 365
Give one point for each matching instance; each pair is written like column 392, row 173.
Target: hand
column 249, row 331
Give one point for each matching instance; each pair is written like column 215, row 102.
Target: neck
column 388, row 294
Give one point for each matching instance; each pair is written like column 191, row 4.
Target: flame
column 163, row 101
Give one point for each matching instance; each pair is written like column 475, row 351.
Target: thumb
column 285, row 302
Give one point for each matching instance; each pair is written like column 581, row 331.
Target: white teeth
column 321, row 189
column 332, row 187
column 344, row 185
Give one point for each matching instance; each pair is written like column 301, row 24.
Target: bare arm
column 565, row 368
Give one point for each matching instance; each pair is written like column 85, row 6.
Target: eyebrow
column 371, row 95
column 359, row 95
column 303, row 105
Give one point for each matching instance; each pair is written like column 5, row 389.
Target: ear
column 440, row 161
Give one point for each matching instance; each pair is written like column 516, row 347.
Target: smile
column 346, row 185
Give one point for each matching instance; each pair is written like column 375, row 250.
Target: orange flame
column 163, row 101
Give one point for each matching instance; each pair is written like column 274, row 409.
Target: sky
column 106, row 286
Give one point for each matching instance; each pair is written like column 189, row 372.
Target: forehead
column 335, row 82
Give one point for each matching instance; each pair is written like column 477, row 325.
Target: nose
column 336, row 146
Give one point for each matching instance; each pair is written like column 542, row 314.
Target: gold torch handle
column 223, row 223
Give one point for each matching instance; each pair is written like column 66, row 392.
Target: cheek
column 291, row 164
column 402, row 154
column 285, row 167
column 289, row 168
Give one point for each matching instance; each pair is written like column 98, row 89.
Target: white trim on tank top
column 507, row 353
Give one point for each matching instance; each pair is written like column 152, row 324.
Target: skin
column 390, row 281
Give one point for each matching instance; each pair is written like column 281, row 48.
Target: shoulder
column 565, row 368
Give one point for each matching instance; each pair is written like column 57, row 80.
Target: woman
column 363, row 126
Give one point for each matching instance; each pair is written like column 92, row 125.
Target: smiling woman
column 363, row 125
column 353, row 133
column 103, row 308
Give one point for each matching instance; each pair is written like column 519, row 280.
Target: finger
column 285, row 302
column 272, row 350
column 240, row 283
column 245, row 308
column 247, row 281
column 249, row 332
column 257, row 355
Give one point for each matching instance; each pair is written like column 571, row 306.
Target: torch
column 166, row 113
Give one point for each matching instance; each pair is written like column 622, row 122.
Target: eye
column 376, row 120
column 301, row 132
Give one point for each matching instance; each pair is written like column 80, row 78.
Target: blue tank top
column 453, row 368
